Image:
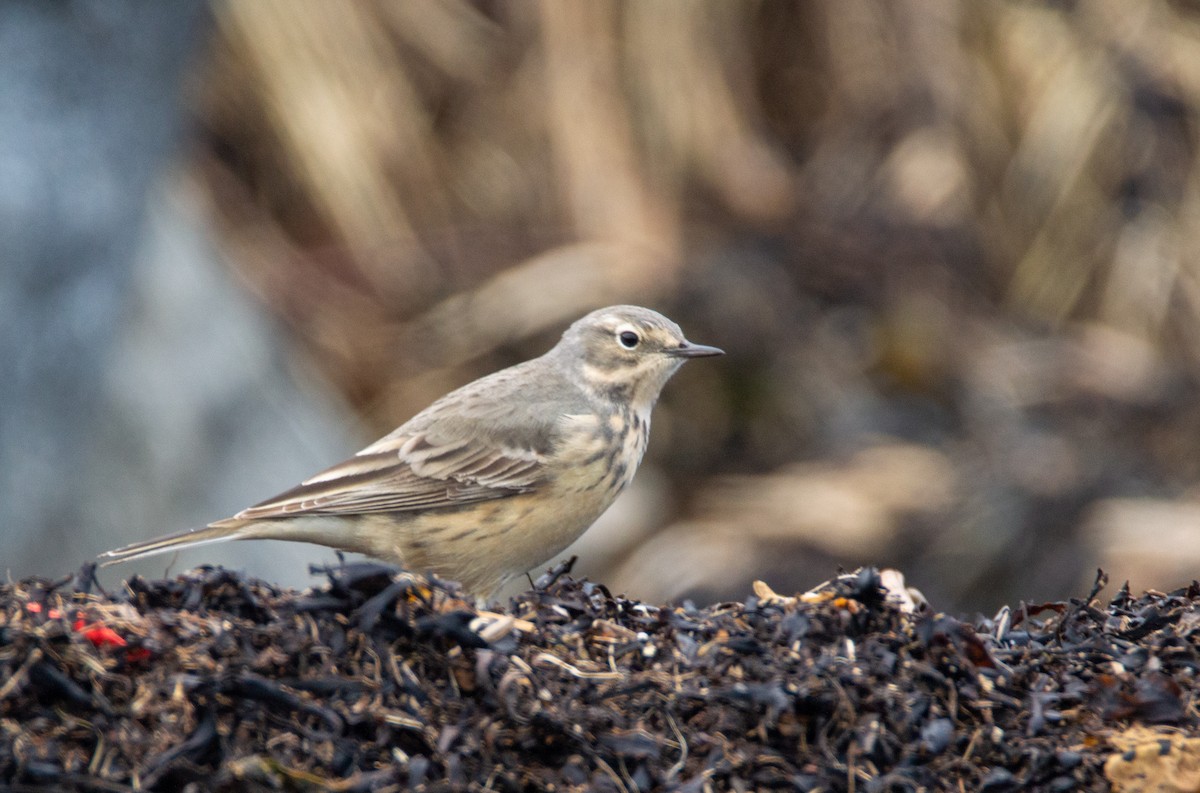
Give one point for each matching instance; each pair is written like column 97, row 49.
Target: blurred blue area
column 132, row 370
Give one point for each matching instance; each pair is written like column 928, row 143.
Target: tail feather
column 173, row 542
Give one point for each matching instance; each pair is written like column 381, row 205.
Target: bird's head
column 627, row 353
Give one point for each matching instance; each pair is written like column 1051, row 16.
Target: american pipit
column 495, row 478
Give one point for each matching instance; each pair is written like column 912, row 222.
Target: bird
column 496, row 477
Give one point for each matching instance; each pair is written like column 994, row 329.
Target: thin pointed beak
column 689, row 350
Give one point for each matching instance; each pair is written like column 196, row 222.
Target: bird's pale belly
column 506, row 537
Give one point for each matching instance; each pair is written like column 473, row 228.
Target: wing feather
column 489, row 439
column 414, row 473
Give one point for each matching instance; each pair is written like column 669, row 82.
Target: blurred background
column 951, row 248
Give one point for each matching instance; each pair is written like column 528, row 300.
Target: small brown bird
column 494, row 478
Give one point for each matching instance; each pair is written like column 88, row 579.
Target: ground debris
column 384, row 680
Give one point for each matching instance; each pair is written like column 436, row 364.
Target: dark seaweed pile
column 380, row 680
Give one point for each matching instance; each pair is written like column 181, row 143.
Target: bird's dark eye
column 628, row 339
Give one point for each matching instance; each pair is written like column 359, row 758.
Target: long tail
column 175, row 542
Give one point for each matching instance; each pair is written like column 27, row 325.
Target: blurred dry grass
column 970, row 226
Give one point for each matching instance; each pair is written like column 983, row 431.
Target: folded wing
column 409, row 472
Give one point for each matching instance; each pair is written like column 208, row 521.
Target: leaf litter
column 381, row 680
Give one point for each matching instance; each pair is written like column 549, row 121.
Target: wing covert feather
column 490, row 439
column 417, row 475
